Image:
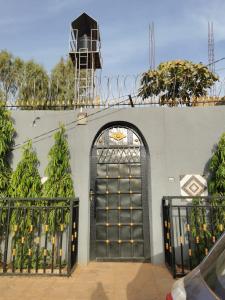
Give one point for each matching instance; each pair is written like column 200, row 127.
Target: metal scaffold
column 85, row 52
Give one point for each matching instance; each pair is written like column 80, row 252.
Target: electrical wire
column 44, row 135
column 215, row 61
column 17, row 146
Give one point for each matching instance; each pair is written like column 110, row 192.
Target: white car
column 207, row 281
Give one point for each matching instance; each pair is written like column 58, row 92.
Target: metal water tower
column 85, row 52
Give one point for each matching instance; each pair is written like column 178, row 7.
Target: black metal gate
column 119, row 206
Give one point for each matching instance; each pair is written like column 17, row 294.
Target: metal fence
column 38, row 236
column 191, row 225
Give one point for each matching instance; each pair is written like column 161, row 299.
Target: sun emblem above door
column 118, row 135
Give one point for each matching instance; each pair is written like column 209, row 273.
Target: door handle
column 92, row 202
column 91, row 196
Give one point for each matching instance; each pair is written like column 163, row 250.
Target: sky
column 39, row 30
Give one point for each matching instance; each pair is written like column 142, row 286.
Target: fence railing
column 191, row 225
column 38, row 236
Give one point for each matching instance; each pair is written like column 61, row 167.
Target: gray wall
column 180, row 141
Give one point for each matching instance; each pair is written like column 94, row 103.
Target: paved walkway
column 97, row 281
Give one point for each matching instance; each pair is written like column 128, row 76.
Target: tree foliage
column 27, row 84
column 26, row 181
column 63, row 89
column 217, row 169
column 201, row 234
column 177, row 82
column 59, row 182
column 10, row 70
column 62, row 83
column 2, row 98
column 6, row 141
column 33, row 89
column 216, row 186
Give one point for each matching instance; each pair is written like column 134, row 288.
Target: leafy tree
column 200, row 231
column 33, row 89
column 29, row 86
column 2, row 98
column 177, row 82
column 10, row 68
column 216, row 186
column 63, row 89
column 217, row 169
column 62, row 83
column 207, row 226
column 59, row 182
column 6, row 141
column 26, row 181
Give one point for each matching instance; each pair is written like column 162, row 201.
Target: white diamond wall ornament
column 193, row 185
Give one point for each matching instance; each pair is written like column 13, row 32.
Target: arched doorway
column 119, row 203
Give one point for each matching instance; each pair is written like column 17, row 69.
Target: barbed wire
column 109, row 90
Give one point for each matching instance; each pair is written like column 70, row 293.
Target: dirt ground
column 97, row 281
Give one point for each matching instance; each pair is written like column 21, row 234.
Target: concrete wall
column 180, row 141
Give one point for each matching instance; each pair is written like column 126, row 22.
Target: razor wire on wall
column 109, row 91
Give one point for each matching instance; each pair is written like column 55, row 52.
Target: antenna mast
column 211, row 54
column 151, row 46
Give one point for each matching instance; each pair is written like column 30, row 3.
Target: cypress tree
column 216, row 183
column 216, row 186
column 199, row 216
column 26, row 181
column 6, row 142
column 59, row 182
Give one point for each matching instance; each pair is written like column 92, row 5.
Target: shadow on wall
column 206, row 171
column 99, row 293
